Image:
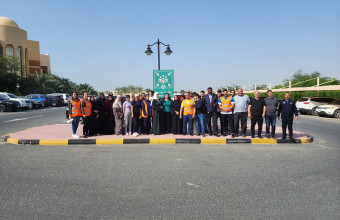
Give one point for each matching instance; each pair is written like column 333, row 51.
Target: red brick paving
column 64, row 131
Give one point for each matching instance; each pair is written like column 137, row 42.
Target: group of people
column 189, row 113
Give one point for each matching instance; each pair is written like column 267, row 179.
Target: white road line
column 191, row 184
column 21, row 119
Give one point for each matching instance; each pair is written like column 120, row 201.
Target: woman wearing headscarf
column 166, row 102
column 95, row 125
column 118, row 113
column 136, row 116
column 175, row 112
column 157, row 111
column 109, row 121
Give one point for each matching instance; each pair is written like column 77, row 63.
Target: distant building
column 14, row 42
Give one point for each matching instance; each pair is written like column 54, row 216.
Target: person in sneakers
column 188, row 112
column 127, row 115
column 136, row 109
column 74, row 107
column 287, row 109
column 199, row 106
column 240, row 112
column 256, row 112
column 271, row 109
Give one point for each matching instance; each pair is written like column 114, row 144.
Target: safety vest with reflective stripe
column 76, row 108
column 188, row 107
column 226, row 103
column 87, row 108
column 144, row 109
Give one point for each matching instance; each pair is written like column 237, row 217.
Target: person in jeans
column 188, row 114
column 199, row 106
column 74, row 107
column 204, row 110
column 287, row 109
column 127, row 115
column 211, row 105
column 256, row 112
column 218, row 110
column 271, row 108
column 227, row 104
column 240, row 112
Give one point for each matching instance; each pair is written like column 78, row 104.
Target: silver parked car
column 332, row 109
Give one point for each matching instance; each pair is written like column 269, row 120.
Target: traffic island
column 60, row 134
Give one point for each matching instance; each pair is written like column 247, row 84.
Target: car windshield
column 2, row 97
column 12, row 96
column 303, row 99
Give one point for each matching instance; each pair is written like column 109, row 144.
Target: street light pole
column 168, row 51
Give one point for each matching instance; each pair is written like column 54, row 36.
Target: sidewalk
column 61, row 134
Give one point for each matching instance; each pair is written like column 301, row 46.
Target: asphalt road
column 286, row 181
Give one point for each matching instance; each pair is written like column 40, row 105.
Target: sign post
column 163, row 82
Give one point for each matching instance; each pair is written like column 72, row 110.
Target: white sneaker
column 127, row 134
column 75, row 136
column 135, row 134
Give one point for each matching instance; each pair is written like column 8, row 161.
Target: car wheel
column 313, row 111
column 336, row 113
column 2, row 108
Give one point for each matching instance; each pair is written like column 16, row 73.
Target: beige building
column 14, row 42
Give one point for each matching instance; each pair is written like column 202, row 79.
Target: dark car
column 7, row 105
column 55, row 100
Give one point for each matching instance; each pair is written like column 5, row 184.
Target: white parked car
column 24, row 103
column 332, row 109
column 65, row 97
column 308, row 105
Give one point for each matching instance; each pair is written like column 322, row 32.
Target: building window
column 9, row 52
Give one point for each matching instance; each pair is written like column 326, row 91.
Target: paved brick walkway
column 64, row 131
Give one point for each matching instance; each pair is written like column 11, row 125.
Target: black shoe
column 210, row 134
column 198, row 134
column 272, row 136
column 236, row 135
column 85, row 136
column 268, row 135
column 203, row 135
column 216, row 135
column 283, row 138
column 191, row 135
column 233, row 135
column 224, row 135
column 291, row 138
column 259, row 136
column 253, row 136
column 244, row 135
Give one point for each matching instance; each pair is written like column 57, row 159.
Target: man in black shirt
column 256, row 112
column 136, row 108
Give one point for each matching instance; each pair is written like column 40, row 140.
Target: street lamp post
column 168, row 51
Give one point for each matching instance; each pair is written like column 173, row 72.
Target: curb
column 204, row 141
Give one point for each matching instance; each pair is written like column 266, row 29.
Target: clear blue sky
column 214, row 43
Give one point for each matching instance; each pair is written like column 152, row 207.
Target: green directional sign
column 163, row 82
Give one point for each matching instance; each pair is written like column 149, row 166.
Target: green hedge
column 297, row 95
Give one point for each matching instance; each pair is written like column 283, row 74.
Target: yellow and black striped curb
column 203, row 141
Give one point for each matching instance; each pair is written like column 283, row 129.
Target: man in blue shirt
column 286, row 111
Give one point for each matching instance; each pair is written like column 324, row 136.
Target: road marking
column 21, row 119
column 191, row 184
